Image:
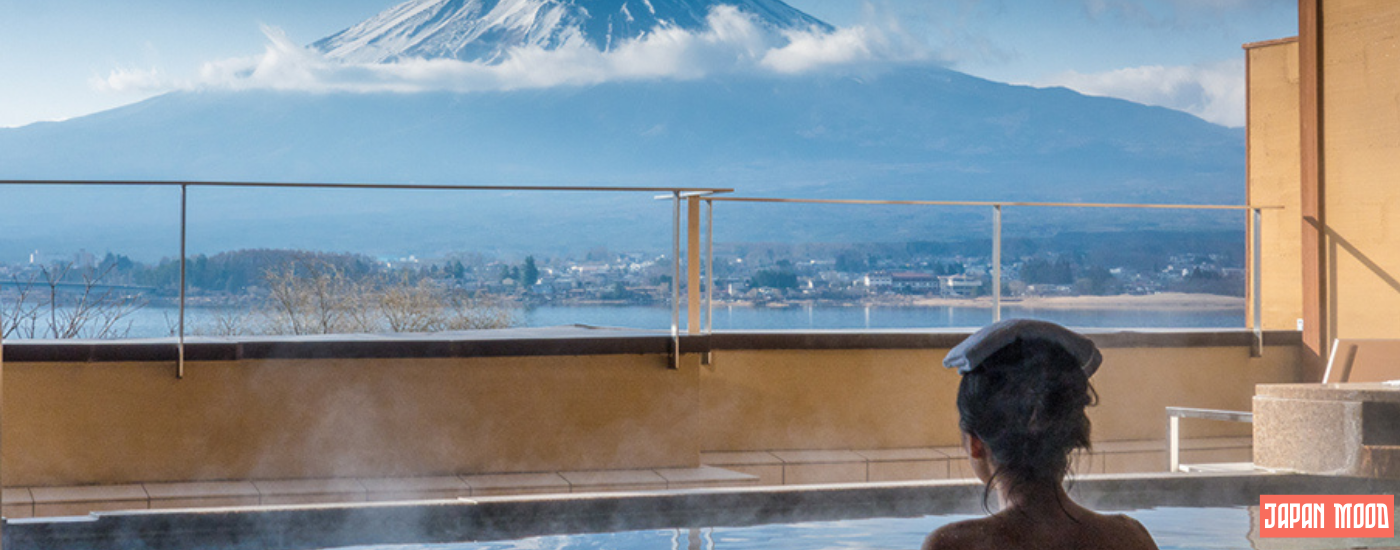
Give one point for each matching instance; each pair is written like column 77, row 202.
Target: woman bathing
column 1024, row 389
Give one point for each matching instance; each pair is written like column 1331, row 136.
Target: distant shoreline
column 1162, row 301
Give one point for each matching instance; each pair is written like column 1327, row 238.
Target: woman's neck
column 1033, row 497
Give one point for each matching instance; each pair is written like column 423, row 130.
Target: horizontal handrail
column 398, row 186
column 1255, row 211
column 1174, row 416
column 1210, row 414
column 674, row 193
column 997, row 203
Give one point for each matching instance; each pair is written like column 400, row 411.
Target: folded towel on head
column 970, row 354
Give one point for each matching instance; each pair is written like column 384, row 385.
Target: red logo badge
column 1327, row 516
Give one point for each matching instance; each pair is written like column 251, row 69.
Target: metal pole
column 1258, row 283
column 709, row 266
column 708, row 358
column 180, row 338
column 1173, row 443
column 676, row 280
column 996, row 263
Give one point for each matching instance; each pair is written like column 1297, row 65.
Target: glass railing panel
column 73, row 260
column 299, row 261
column 870, row 266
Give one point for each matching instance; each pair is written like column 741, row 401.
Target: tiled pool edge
column 719, row 469
column 494, row 518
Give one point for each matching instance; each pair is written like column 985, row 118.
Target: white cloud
column 1214, row 92
column 808, row 51
column 732, row 42
column 130, row 80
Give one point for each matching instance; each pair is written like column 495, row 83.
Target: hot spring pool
column 1183, row 528
column 1201, row 511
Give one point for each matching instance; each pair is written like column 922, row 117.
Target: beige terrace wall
column 872, row 399
column 1360, row 166
column 105, row 423
column 108, row 423
column 1274, row 174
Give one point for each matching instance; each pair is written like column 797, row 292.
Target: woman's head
column 1024, row 390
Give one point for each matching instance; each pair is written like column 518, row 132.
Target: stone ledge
column 720, row 469
column 25, row 502
column 703, row 476
column 505, row 484
column 415, row 488
column 569, row 341
column 204, row 489
column 738, row 458
column 795, row 467
column 310, row 491
column 901, row 455
column 818, row 457
column 614, row 480
column 18, row 503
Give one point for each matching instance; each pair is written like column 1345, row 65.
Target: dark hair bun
column 1026, row 403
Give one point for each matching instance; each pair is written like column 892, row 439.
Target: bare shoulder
column 1132, row 534
column 963, row 535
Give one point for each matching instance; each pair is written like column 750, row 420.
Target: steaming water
column 1173, row 528
column 153, row 322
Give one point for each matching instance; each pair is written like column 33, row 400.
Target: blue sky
column 65, row 58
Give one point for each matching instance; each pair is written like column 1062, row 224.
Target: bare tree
column 411, row 307
column 316, row 297
column 20, row 317
column 91, row 310
column 478, row 311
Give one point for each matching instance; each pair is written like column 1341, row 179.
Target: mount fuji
column 487, row 30
column 873, row 130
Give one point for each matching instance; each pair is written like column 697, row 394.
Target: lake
column 160, row 321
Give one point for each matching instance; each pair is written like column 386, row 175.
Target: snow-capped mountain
column 908, row 131
column 483, row 30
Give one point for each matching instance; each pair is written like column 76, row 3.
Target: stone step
column 25, row 502
column 800, row 467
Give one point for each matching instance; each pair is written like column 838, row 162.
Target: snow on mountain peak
column 484, row 30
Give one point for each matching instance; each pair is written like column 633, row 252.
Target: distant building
column 84, row 259
column 901, row 281
column 909, row 281
column 959, row 286
column 1050, row 290
column 879, row 280
column 590, row 269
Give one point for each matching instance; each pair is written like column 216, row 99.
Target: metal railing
column 700, row 289
column 673, row 193
column 1174, row 416
column 1255, row 221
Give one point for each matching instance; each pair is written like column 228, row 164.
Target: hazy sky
column 65, row 58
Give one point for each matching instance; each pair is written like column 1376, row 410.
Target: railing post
column 180, row 338
column 709, row 266
column 1258, row 282
column 676, row 280
column 996, row 263
column 1173, row 442
column 708, row 357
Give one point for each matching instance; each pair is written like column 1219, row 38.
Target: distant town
column 754, row 274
